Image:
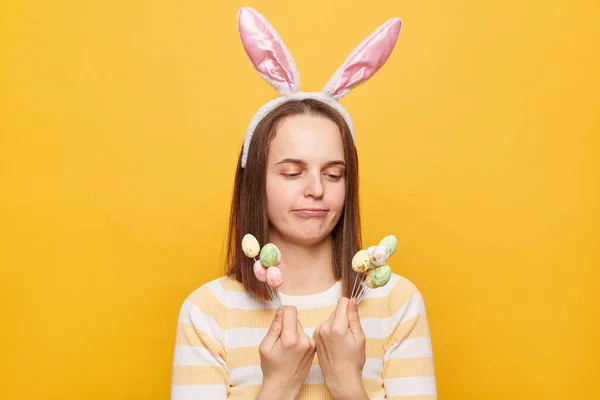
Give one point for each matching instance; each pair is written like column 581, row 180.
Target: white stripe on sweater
column 199, row 391
column 410, row 386
column 410, row 348
column 189, row 355
column 191, row 314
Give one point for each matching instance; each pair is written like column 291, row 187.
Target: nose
column 314, row 186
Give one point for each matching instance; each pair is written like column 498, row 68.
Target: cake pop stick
column 274, row 280
column 273, row 293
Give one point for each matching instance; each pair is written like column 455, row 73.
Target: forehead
column 314, row 139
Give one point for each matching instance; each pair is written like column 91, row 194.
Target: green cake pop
column 390, row 243
column 379, row 276
column 270, row 255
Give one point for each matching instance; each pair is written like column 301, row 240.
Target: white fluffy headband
column 275, row 64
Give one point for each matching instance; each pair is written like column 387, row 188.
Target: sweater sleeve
column 199, row 367
column 408, row 370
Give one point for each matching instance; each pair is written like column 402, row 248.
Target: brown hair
column 249, row 205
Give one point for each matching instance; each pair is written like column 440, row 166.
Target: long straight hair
column 249, row 204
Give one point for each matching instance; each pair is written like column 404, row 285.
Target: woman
column 296, row 186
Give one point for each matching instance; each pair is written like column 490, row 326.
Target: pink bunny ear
column 365, row 60
column 267, row 52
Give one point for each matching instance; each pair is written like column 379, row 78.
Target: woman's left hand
column 341, row 351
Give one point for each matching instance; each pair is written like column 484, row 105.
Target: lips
column 311, row 212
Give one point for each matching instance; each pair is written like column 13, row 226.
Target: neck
column 306, row 269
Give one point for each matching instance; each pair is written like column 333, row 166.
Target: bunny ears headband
column 275, row 64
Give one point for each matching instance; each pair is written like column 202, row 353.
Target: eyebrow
column 303, row 163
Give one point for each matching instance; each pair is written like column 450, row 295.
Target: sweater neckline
column 328, row 297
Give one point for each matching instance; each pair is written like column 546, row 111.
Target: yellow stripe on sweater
column 199, row 375
column 408, row 367
column 187, row 335
column 416, row 327
column 374, row 388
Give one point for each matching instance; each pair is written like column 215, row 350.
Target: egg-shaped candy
column 379, row 255
column 390, row 243
column 260, row 272
column 269, row 255
column 274, row 277
column 368, row 280
column 361, row 262
column 250, row 246
column 381, row 275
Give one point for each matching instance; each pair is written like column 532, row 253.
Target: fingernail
column 279, row 312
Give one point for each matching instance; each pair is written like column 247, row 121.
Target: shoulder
column 401, row 288
column 206, row 307
column 213, row 294
column 400, row 293
column 219, row 295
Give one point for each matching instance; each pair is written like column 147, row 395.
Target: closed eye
column 333, row 177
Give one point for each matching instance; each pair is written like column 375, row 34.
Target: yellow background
column 121, row 121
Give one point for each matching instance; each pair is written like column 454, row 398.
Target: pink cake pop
column 260, row 272
column 274, row 277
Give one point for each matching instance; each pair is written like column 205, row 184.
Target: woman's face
column 306, row 182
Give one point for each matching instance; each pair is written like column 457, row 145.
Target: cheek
column 279, row 197
column 338, row 196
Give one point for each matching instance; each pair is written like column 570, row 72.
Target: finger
column 340, row 319
column 316, row 332
column 304, row 339
column 275, row 329
column 329, row 320
column 300, row 328
column 354, row 317
column 289, row 332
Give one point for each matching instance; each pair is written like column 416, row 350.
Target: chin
column 309, row 236
column 301, row 235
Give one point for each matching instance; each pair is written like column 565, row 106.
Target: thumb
column 275, row 329
column 353, row 316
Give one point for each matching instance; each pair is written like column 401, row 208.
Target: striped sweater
column 221, row 326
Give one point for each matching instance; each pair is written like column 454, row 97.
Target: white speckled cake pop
column 379, row 255
column 361, row 262
column 250, row 246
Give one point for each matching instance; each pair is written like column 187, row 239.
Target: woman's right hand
column 286, row 355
